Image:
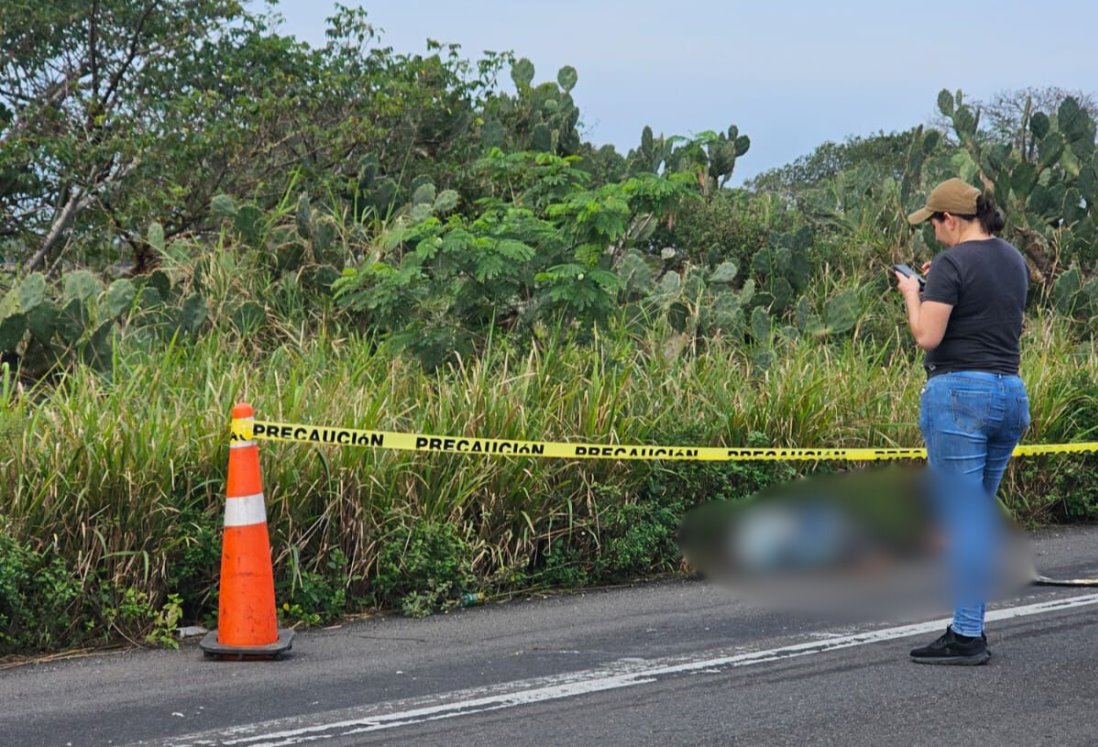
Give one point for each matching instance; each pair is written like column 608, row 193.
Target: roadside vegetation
column 197, row 210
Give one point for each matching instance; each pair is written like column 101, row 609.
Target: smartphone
column 909, row 272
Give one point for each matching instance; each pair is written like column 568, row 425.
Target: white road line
column 622, row 674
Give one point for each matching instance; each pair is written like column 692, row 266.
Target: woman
column 974, row 406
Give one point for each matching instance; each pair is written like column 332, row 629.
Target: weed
column 423, row 568
column 165, row 622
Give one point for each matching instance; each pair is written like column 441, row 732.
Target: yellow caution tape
column 247, row 430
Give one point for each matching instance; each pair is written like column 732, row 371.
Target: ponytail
column 989, row 216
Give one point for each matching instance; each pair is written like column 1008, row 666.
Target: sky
column 790, row 74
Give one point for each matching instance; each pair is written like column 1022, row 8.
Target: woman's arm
column 927, row 320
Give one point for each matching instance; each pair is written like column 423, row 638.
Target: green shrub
column 193, row 559
column 423, row 568
column 636, row 539
column 314, row 597
column 708, row 231
column 133, row 614
column 1053, row 488
column 563, row 567
column 39, row 597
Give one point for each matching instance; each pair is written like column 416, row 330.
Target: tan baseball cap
column 951, row 196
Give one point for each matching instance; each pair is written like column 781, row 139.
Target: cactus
column 778, row 295
column 12, row 330
column 39, row 333
column 1023, row 178
column 783, row 269
column 160, row 281
column 567, row 77
column 286, row 250
column 42, row 321
column 1090, row 291
column 367, row 172
column 725, row 273
column 222, row 206
column 38, row 358
column 651, row 154
column 808, row 322
column 150, row 297
column 192, row 315
column 722, row 152
column 373, row 190
column 249, row 317
column 694, row 283
column 289, row 256
column 97, row 351
column 670, row 284
column 45, row 328
column 635, row 274
column 1039, row 125
column 1077, row 127
column 1046, row 202
column 678, row 314
column 541, row 138
column 120, row 296
column 1047, row 187
column 420, row 212
column 724, row 314
column 155, row 237
column 304, row 217
column 72, row 321
column 965, row 122
column 522, row 74
column 1088, row 181
column 762, row 357
column 31, row 291
column 1082, row 242
column 922, row 145
column 760, row 324
column 383, row 196
column 424, row 194
column 695, row 301
column 945, row 103
column 321, row 277
column 1074, row 210
column 1066, row 291
column 446, row 201
column 841, row 312
column 248, row 223
column 325, row 231
column 81, row 285
column 1049, row 149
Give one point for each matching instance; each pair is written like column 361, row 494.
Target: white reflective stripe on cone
column 245, row 511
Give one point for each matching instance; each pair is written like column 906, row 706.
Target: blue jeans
column 971, row 421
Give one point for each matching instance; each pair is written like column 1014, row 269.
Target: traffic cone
column 247, row 625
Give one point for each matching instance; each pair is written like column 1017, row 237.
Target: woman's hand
column 907, row 284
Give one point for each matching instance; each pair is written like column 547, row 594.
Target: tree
column 885, row 153
column 78, row 90
column 118, row 113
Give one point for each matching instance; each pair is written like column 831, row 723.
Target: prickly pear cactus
column 1046, row 184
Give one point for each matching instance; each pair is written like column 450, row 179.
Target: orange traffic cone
column 247, row 625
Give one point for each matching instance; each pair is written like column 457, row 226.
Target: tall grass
column 123, row 477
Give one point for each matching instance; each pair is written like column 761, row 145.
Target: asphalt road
column 677, row 662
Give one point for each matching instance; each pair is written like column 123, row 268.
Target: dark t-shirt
column 986, row 283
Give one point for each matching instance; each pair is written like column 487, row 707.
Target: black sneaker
column 952, row 648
